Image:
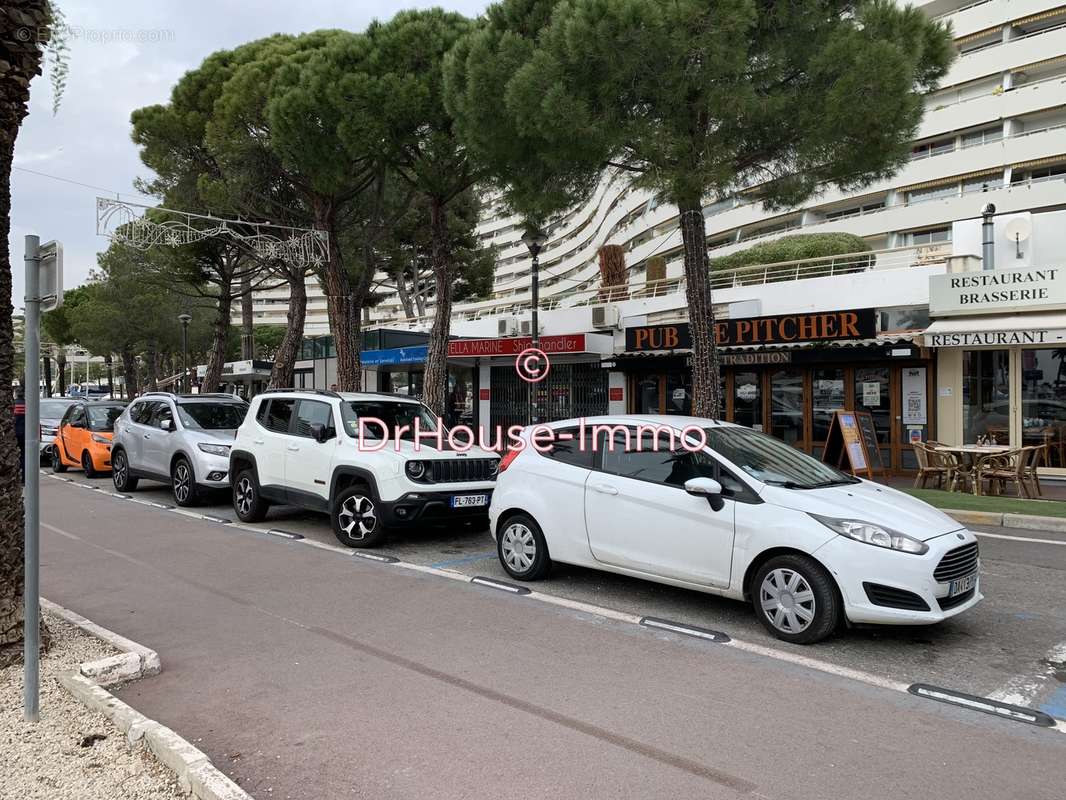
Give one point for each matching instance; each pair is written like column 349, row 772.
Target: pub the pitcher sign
column 818, row 326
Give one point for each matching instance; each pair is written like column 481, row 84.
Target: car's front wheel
column 57, row 460
column 795, row 598
column 248, row 504
column 87, row 465
column 356, row 519
column 183, row 481
column 522, row 550
column 120, row 472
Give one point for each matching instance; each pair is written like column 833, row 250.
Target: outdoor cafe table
column 969, row 453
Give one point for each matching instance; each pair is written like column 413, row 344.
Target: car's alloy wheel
column 244, row 496
column 357, row 517
column 184, row 487
column 787, row 600
column 57, row 460
column 87, row 465
column 120, row 472
column 518, row 547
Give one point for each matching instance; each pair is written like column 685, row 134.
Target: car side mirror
column 320, row 433
column 166, row 424
column 706, row 487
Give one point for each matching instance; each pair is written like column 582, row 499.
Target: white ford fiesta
column 745, row 516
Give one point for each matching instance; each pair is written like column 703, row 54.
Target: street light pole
column 534, row 239
column 185, row 319
column 31, row 632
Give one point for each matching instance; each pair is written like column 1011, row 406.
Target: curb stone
column 1025, row 521
column 195, row 773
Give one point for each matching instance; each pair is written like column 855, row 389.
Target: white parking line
column 1021, row 690
column 1059, row 542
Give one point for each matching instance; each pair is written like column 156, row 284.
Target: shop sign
column 997, row 291
column 394, row 355
column 914, row 397
column 615, row 394
column 819, row 326
column 472, row 348
column 993, row 338
column 756, row 358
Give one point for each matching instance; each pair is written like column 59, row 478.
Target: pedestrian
column 20, row 430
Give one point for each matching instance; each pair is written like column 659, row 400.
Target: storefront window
column 786, row 406
column 460, row 409
column 747, row 400
column 679, row 393
column 871, row 394
column 1044, row 403
column 647, row 399
column 986, row 395
column 828, row 388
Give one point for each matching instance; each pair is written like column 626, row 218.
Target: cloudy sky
column 124, row 55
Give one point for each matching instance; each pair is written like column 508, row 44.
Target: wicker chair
column 1003, row 468
column 930, row 464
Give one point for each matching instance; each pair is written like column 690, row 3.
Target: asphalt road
column 306, row 673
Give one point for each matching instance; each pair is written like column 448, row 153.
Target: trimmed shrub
column 793, row 248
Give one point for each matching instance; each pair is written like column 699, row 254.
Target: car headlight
column 101, row 439
column 869, row 533
column 416, row 470
column 214, row 449
column 47, row 431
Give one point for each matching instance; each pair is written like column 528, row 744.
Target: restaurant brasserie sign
column 996, row 290
column 821, row 326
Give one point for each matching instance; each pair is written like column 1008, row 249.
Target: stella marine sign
column 997, row 291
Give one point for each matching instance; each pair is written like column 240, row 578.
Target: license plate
column 962, row 585
column 470, row 500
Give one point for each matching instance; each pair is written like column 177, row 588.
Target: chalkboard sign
column 852, row 443
column 868, row 431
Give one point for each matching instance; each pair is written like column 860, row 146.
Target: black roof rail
column 214, row 395
column 323, row 392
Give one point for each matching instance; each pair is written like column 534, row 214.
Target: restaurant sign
column 821, row 326
column 470, row 348
column 996, row 291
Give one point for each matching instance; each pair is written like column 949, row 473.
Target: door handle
column 148, row 436
column 603, row 488
column 292, row 448
column 257, row 441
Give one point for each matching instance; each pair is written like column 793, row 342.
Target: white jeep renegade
column 354, row 457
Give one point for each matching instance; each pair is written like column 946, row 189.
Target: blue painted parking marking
column 467, row 560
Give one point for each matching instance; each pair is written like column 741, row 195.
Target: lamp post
column 534, row 239
column 110, row 377
column 185, row 319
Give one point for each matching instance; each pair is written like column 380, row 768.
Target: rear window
column 54, row 409
column 212, row 416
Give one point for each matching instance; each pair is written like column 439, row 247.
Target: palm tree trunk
column 281, row 376
column 706, row 371
column 435, row 386
column 20, row 63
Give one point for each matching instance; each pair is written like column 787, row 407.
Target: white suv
column 306, row 448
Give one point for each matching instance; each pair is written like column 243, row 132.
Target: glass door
column 787, row 406
column 873, row 393
column 827, row 395
column 986, row 396
column 747, row 399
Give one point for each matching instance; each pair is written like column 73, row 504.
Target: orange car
column 84, row 437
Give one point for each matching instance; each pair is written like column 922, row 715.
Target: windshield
column 772, row 461
column 102, row 417
column 394, row 415
column 54, row 409
column 212, row 416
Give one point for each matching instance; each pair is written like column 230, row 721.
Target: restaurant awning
column 998, row 330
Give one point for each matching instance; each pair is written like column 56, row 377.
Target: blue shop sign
column 394, row 355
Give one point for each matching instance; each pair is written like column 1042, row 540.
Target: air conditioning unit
column 605, row 317
column 508, row 326
column 527, row 327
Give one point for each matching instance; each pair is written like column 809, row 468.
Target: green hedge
column 793, row 248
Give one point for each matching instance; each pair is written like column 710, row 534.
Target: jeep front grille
column 460, row 470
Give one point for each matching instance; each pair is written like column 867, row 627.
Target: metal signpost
column 44, row 292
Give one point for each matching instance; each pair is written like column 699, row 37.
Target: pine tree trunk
column 435, row 385
column 61, row 373
column 219, row 339
column 247, row 318
column 20, row 63
column 706, row 372
column 404, row 293
column 47, row 376
column 152, row 365
column 281, row 376
column 341, row 307
column 129, row 371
